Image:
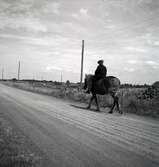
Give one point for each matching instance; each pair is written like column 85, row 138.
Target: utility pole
column 82, row 56
column 2, row 74
column 61, row 78
column 19, row 70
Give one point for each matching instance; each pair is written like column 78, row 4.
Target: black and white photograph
column 79, row 83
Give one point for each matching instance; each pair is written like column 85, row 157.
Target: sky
column 46, row 37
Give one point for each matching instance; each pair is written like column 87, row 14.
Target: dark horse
column 109, row 85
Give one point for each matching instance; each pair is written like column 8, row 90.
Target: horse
column 108, row 85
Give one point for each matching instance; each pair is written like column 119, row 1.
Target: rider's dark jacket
column 100, row 72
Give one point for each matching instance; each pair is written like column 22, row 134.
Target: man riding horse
column 100, row 73
column 101, row 85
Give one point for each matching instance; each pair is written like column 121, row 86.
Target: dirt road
column 74, row 137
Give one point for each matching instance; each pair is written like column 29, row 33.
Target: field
column 142, row 101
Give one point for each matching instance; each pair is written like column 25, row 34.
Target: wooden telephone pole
column 82, row 57
column 19, row 70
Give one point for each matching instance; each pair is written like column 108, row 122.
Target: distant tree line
column 68, row 83
column 126, row 85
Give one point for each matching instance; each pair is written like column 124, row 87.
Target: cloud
column 74, row 15
column 53, row 7
column 153, row 64
column 26, row 16
column 129, row 69
column 19, row 16
column 156, row 67
column 156, row 43
column 150, row 62
column 84, row 11
column 52, row 68
column 145, row 64
column 39, row 41
column 28, row 24
column 58, row 68
column 135, row 49
column 18, row 7
column 133, row 61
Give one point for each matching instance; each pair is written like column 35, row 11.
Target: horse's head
column 88, row 81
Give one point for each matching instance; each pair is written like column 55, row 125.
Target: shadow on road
column 84, row 108
column 94, row 110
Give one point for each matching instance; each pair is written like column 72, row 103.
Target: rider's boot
column 98, row 109
column 88, row 91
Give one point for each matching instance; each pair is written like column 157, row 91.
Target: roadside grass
column 14, row 151
column 130, row 99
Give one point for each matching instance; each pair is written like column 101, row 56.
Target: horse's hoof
column 88, row 108
column 120, row 112
column 98, row 109
column 110, row 112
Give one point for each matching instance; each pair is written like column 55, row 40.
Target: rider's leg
column 85, row 84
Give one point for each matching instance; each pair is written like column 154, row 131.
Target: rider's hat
column 100, row 61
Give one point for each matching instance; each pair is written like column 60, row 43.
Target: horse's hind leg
column 116, row 103
column 118, row 108
column 112, row 108
column 90, row 102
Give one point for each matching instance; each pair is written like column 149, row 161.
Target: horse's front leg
column 97, row 104
column 90, row 102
